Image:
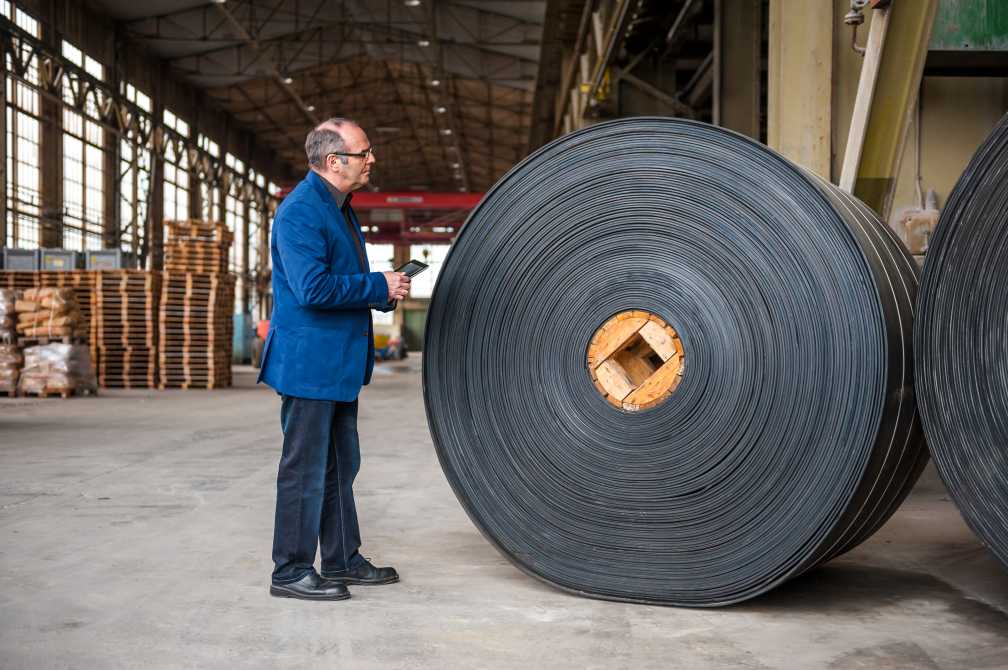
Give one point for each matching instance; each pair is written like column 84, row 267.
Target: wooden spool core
column 635, row 360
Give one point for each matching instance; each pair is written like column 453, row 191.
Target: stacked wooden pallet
column 197, row 246
column 195, row 330
column 197, row 302
column 124, row 327
column 17, row 280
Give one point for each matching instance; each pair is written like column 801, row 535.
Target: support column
column 246, row 293
column 112, row 218
column 894, row 64
column 196, row 203
column 800, row 81
column 51, row 158
column 400, row 256
column 154, row 223
column 113, row 185
column 263, row 262
column 3, row 164
column 739, row 86
column 195, row 195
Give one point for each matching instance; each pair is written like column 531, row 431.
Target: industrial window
column 83, row 159
column 208, row 145
column 434, row 256
column 176, row 169
column 234, row 219
column 210, row 196
column 24, row 138
column 380, row 258
column 234, row 213
column 255, row 247
column 211, row 199
column 134, row 179
column 232, row 162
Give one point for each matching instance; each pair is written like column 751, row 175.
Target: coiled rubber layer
column 960, row 338
column 792, row 435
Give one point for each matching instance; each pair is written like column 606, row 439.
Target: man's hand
column 398, row 285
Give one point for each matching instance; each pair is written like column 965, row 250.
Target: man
column 317, row 355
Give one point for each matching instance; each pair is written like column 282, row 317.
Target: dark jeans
column 315, row 504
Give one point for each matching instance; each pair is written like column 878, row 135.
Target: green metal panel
column 970, row 25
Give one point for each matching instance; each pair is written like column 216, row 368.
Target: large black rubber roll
column 792, row 434
column 961, row 339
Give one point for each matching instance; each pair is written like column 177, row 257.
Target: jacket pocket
column 326, row 361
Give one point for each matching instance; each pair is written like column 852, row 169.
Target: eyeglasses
column 361, row 154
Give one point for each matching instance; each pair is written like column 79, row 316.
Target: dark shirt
column 342, row 199
column 343, row 202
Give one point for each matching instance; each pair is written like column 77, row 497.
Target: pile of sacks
column 10, row 355
column 10, row 367
column 8, row 316
column 49, row 312
column 57, row 368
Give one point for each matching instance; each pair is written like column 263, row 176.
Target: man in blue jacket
column 318, row 354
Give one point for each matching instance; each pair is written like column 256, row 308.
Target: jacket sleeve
column 301, row 245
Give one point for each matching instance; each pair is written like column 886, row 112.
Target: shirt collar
column 342, row 199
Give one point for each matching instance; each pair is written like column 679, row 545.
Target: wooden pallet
column 195, row 327
column 40, row 341
column 195, row 228
column 126, row 328
column 57, row 393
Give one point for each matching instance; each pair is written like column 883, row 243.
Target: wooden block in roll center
column 635, row 360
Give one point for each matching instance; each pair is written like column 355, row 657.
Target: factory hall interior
column 401, row 334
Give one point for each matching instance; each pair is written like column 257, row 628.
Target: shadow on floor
column 860, row 589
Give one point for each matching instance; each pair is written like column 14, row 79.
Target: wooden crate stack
column 197, row 307
column 197, row 246
column 124, row 327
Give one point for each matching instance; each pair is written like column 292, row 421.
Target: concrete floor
column 135, row 531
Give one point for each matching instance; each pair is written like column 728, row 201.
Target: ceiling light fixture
column 310, row 108
column 423, row 43
column 288, row 80
column 456, row 165
column 411, row 3
column 440, row 109
column 435, row 82
column 446, row 131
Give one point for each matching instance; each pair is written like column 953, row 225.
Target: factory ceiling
column 444, row 88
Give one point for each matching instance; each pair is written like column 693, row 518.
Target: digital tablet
column 412, row 269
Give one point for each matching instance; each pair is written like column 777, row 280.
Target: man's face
column 356, row 172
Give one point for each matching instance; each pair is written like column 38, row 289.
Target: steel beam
column 253, row 43
column 3, row 164
column 886, row 100
column 363, row 200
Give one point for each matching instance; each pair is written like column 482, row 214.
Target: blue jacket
column 320, row 343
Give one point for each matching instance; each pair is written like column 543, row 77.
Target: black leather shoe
column 364, row 574
column 311, row 587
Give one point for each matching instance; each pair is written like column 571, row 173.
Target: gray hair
column 321, row 141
